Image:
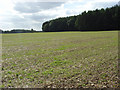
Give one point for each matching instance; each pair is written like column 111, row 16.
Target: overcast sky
column 27, row 14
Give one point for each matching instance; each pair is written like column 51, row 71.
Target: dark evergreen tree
column 103, row 19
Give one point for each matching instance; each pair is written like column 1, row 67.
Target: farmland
column 60, row 59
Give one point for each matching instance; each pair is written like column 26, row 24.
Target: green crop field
column 60, row 59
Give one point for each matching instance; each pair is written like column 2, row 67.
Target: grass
column 60, row 59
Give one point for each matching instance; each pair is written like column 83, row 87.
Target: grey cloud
column 40, row 18
column 33, row 7
column 18, row 19
column 119, row 3
column 72, row 12
column 12, row 18
column 27, row 25
column 28, row 21
column 104, row 4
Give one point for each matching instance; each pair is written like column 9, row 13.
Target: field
column 60, row 59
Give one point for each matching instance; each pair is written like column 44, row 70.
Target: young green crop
column 60, row 59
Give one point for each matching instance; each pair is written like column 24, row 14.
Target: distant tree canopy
column 19, row 31
column 1, row 31
column 103, row 19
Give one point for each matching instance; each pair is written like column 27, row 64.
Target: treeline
column 103, row 19
column 19, row 31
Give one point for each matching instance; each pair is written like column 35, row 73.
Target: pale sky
column 27, row 14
